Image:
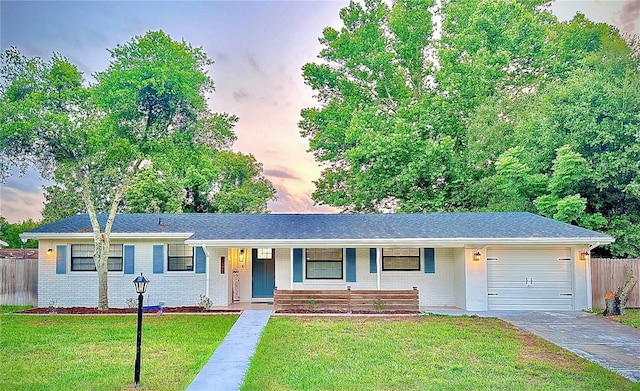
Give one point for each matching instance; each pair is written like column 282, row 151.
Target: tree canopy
column 141, row 120
column 478, row 105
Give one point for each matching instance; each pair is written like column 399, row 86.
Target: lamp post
column 141, row 286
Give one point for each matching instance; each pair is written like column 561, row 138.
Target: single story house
column 472, row 261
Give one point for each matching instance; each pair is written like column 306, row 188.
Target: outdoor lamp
column 584, row 256
column 141, row 286
column 49, row 251
column 476, row 255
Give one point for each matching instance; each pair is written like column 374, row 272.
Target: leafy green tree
column 10, row 233
column 501, row 108
column 97, row 138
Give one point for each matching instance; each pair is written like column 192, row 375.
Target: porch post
column 291, row 268
column 378, row 266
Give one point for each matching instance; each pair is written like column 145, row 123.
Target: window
column 180, row 257
column 324, row 263
column 265, row 253
column 400, row 259
column 82, row 258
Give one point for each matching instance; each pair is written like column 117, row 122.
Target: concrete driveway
column 603, row 341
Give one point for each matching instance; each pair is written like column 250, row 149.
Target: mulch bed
column 95, row 311
column 303, row 311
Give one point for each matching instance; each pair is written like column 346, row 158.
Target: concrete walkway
column 603, row 341
column 228, row 365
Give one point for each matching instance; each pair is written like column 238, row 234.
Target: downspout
column 207, row 267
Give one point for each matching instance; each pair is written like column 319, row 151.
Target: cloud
column 297, row 203
column 282, row 173
column 254, row 64
column 629, row 15
column 242, row 95
column 18, row 205
column 220, row 57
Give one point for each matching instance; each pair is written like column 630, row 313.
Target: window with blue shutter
column 129, row 255
column 351, row 264
column 158, row 258
column 201, row 260
column 61, row 259
column 297, row 265
column 429, row 260
column 373, row 260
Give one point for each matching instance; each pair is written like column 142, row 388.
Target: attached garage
column 529, row 279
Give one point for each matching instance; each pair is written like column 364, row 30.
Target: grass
column 420, row 353
column 631, row 316
column 54, row 352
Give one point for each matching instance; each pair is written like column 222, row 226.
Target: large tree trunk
column 615, row 303
column 102, row 240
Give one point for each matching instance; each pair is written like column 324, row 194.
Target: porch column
column 291, row 268
column 378, row 266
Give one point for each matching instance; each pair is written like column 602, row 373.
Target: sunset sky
column 258, row 47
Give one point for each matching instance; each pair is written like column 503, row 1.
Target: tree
column 10, row 233
column 96, row 138
column 493, row 113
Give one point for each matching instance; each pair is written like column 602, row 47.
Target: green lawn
column 631, row 316
column 421, row 353
column 59, row 352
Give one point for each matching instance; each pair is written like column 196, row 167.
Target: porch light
column 584, row 256
column 49, row 251
column 242, row 255
column 476, row 256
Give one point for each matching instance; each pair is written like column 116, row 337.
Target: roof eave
column 409, row 242
column 114, row 235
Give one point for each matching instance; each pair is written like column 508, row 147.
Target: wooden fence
column 608, row 274
column 18, row 281
column 347, row 301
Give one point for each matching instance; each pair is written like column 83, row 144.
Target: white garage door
column 529, row 279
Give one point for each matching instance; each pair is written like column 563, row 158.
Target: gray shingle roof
column 333, row 226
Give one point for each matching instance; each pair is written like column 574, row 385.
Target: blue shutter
column 201, row 260
column 158, row 258
column 129, row 255
column 429, row 260
column 297, row 265
column 351, row 264
column 373, row 260
column 61, row 259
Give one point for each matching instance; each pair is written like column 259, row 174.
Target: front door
column 263, row 272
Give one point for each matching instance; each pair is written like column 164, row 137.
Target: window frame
column 307, row 261
column 170, row 257
column 390, row 257
column 91, row 250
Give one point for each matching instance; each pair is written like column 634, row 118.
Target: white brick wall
column 81, row 288
column 184, row 288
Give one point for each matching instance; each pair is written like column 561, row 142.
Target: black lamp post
column 141, row 286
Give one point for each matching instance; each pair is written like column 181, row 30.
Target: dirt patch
column 115, row 311
column 535, row 349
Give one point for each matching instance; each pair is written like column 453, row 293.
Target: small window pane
column 401, row 259
column 324, row 263
column 180, row 257
column 265, row 253
column 82, row 257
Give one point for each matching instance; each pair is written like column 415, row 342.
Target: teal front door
column 263, row 272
